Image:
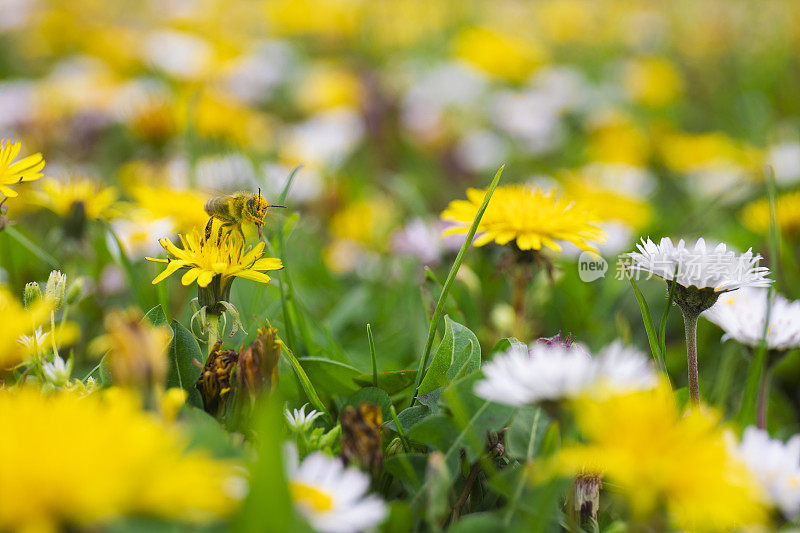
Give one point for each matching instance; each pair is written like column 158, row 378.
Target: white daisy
column 298, row 420
column 699, row 266
column 333, row 499
column 776, row 465
column 553, row 372
column 742, row 315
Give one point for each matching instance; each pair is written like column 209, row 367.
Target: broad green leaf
column 526, row 432
column 156, row 316
column 408, row 468
column 409, row 417
column 374, row 396
column 458, row 353
column 181, row 372
column 399, row 520
column 503, row 345
column 477, row 523
column 207, row 434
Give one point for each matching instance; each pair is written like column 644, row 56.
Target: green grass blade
column 31, row 247
column 305, row 383
column 437, row 314
column 649, row 327
column 372, row 356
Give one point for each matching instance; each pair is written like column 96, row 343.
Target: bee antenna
column 278, row 206
column 259, row 192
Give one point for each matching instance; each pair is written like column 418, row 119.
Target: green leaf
column 206, row 433
column 503, row 345
column 399, row 520
column 180, row 370
column 649, row 327
column 331, row 378
column 392, row 382
column 408, row 468
column 156, row 316
column 459, row 353
column 527, row 429
column 409, row 417
column 374, row 396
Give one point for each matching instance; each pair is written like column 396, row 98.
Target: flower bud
column 258, row 363
column 55, row 289
column 75, row 291
column 32, row 294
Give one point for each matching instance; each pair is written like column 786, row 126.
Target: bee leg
column 208, row 228
column 241, row 232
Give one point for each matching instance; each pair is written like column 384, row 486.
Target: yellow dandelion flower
column 26, row 169
column 755, row 215
column 206, row 260
column 74, row 460
column 529, row 216
column 657, row 456
column 367, row 222
column 19, row 326
column 77, row 194
column 685, row 152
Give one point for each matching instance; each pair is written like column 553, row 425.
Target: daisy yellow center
column 311, row 497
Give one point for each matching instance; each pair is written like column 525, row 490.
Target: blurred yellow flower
column 79, row 195
column 616, row 139
column 73, row 460
column 690, row 152
column 607, row 204
column 26, row 169
column 367, row 222
column 183, row 206
column 205, row 260
column 328, row 87
column 216, row 115
column 136, row 350
column 527, row 215
column 653, row 81
column 19, row 324
column 755, row 215
column 657, row 455
column 324, row 18
column 500, row 55
column 566, row 21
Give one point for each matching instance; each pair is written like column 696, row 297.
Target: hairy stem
column 213, row 331
column 690, row 323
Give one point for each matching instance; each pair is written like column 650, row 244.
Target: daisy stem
column 763, row 398
column 690, row 324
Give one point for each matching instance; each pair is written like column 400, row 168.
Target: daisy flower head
column 555, row 371
column 742, row 314
column 298, row 420
column 26, row 169
column 215, row 262
column 700, row 266
column 334, row 499
column 530, row 217
column 776, row 465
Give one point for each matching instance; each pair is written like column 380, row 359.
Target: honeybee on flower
column 235, row 210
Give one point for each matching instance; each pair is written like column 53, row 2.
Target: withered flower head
column 214, row 383
column 136, row 350
column 361, row 436
column 587, row 494
column 557, row 340
column 258, row 363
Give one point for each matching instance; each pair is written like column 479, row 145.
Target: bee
column 236, row 209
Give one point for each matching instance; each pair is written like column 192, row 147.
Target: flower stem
column 763, row 398
column 690, row 324
column 518, row 302
column 213, row 331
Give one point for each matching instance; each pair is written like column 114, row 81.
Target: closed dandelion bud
column 75, row 291
column 258, row 363
column 32, row 294
column 55, row 289
column 214, row 383
column 587, row 494
column 361, row 436
column 136, row 350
